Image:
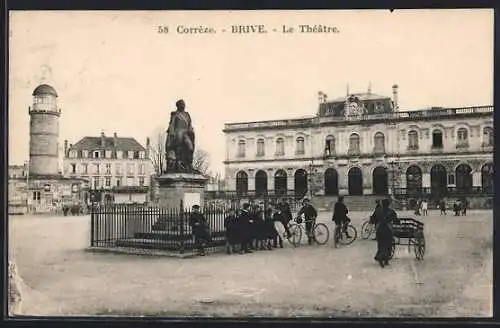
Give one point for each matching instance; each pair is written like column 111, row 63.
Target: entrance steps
column 353, row 203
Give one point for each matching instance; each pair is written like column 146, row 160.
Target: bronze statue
column 179, row 145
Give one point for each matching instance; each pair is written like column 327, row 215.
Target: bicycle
column 320, row 232
column 341, row 234
column 367, row 229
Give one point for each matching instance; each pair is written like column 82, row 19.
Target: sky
column 114, row 72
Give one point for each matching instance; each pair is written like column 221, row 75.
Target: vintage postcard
column 251, row 163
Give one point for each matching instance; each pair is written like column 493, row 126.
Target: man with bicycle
column 310, row 215
column 340, row 217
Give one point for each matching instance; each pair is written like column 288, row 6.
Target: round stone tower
column 44, row 132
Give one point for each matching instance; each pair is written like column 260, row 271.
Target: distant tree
column 201, row 161
column 157, row 150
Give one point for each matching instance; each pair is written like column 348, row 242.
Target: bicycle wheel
column 321, row 233
column 351, row 236
column 295, row 234
column 393, row 250
column 366, row 230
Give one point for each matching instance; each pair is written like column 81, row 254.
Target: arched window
column 437, row 139
column 280, row 183
column 488, row 137
column 330, row 146
column 487, row 178
column 463, row 176
column 462, row 138
column 354, row 144
column 260, row 183
column 379, row 142
column 241, row 148
column 412, row 140
column 300, row 146
column 280, row 146
column 261, row 147
column 300, row 182
column 241, row 183
column 413, row 180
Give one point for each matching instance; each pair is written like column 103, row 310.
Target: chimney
column 103, row 140
column 148, row 146
column 65, row 148
column 115, row 137
column 395, row 96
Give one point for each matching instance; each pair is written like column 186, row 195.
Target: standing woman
column 384, row 219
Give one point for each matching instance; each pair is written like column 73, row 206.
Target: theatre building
column 363, row 144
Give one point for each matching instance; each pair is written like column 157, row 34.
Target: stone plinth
column 174, row 187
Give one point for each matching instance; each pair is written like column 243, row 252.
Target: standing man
column 310, row 215
column 245, row 223
column 230, row 224
column 384, row 219
column 442, row 206
column 199, row 228
column 423, row 206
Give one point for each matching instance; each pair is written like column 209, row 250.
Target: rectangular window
column 130, row 168
column 73, row 168
column 118, row 181
column 141, row 181
column 97, row 182
column 85, row 153
column 108, row 168
column 96, row 154
column 85, row 168
column 96, row 169
column 451, row 179
column 130, row 155
column 108, row 153
column 108, row 181
column 36, row 195
column 119, row 154
column 136, row 155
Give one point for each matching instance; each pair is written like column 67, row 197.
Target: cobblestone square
column 61, row 278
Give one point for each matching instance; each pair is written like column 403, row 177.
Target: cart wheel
column 351, row 232
column 295, row 234
column 393, row 250
column 321, row 233
column 420, row 248
column 366, row 230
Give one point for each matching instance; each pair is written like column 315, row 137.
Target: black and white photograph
column 238, row 164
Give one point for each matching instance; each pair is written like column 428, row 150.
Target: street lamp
column 27, row 164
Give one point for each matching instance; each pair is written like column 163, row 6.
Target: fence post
column 92, row 225
column 181, row 227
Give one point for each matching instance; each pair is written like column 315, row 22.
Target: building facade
column 118, row 168
column 363, row 144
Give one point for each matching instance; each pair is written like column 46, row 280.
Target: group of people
column 422, row 207
column 248, row 229
column 253, row 227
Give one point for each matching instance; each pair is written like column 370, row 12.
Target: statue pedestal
column 174, row 187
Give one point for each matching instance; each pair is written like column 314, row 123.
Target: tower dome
column 43, row 90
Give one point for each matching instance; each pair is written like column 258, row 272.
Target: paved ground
column 60, row 278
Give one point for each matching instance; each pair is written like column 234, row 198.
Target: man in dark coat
column 340, row 216
column 259, row 229
column 245, row 222
column 199, row 228
column 230, row 224
column 385, row 217
column 284, row 217
column 310, row 215
column 271, row 234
